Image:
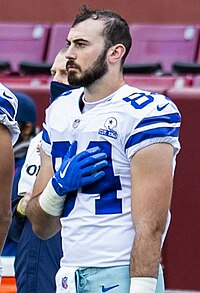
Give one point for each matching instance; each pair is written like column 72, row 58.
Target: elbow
column 150, row 230
column 44, row 225
column 41, row 232
column 151, row 233
column 44, row 232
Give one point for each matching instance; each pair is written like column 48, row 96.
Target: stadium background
column 181, row 255
column 147, row 11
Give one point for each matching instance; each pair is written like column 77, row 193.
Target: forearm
column 5, row 218
column 145, row 255
column 6, row 177
column 151, row 171
column 43, row 224
column 5, row 221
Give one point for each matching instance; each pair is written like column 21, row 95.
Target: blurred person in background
column 9, row 132
column 36, row 261
column 26, row 118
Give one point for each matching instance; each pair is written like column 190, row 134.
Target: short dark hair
column 116, row 29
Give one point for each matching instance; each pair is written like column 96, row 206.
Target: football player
column 112, row 148
column 9, row 132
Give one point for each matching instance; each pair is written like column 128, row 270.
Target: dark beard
column 95, row 72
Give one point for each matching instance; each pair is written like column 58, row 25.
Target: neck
column 103, row 87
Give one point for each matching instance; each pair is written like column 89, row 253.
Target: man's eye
column 80, row 45
column 67, row 45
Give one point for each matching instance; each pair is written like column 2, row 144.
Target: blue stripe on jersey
column 5, row 104
column 45, row 136
column 152, row 133
column 168, row 118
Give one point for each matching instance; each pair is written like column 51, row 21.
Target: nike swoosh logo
column 62, row 173
column 160, row 108
column 104, row 289
column 6, row 96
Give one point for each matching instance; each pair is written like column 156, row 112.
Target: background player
column 26, row 118
column 9, row 132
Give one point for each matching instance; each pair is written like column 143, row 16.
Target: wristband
column 143, row 285
column 19, row 208
column 50, row 201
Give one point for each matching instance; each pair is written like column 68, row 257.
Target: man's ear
column 115, row 53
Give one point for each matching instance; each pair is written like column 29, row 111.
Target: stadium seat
column 34, row 68
column 185, row 68
column 149, row 68
column 158, row 84
column 4, row 67
column 23, row 42
column 57, row 40
column 196, row 81
column 163, row 43
column 28, row 80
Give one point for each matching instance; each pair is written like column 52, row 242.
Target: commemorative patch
column 109, row 124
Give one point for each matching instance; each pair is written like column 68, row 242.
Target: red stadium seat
column 26, row 79
column 57, row 40
column 158, row 84
column 23, row 42
column 163, row 43
column 183, row 68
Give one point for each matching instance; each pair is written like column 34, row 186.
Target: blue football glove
column 79, row 170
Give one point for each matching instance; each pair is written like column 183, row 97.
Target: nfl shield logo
column 76, row 123
column 64, row 282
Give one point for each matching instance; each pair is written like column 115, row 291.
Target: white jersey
column 31, row 166
column 97, row 228
column 8, row 111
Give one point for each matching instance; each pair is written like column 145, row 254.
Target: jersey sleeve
column 46, row 143
column 31, row 166
column 159, row 122
column 8, row 111
column 52, row 117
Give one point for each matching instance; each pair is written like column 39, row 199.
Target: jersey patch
column 108, row 130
